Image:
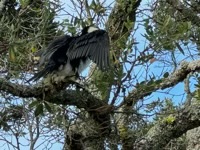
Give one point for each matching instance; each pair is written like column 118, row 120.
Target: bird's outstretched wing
column 94, row 45
column 46, row 57
column 52, row 48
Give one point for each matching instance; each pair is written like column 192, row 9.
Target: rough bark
column 164, row 131
column 193, row 139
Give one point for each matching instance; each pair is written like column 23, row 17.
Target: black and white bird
column 69, row 55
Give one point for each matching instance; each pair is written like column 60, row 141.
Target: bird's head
column 89, row 29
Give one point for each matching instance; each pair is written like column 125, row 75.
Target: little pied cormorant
column 69, row 55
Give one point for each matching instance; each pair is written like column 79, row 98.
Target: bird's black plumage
column 66, row 55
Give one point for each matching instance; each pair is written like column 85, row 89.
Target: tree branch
column 164, row 131
column 121, row 23
column 81, row 99
column 122, row 13
column 178, row 76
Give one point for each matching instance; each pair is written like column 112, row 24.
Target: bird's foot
column 58, row 79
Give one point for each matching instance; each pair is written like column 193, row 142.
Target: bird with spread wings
column 68, row 56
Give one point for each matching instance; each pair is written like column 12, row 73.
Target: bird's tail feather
column 38, row 75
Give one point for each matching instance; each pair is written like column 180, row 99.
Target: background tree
column 118, row 109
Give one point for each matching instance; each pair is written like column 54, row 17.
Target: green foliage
column 169, row 119
column 149, row 85
column 197, row 94
column 123, row 131
column 197, row 91
column 97, row 7
column 48, row 106
column 166, row 30
column 39, row 109
column 26, row 28
column 102, row 82
column 10, row 115
column 167, row 109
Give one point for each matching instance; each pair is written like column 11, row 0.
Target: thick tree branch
column 23, row 91
column 164, row 131
column 81, row 99
column 121, row 23
column 178, row 76
column 122, row 13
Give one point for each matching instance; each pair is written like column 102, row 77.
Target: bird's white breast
column 67, row 71
column 63, row 72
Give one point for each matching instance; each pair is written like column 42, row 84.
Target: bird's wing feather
column 46, row 56
column 38, row 75
column 94, row 45
column 52, row 47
